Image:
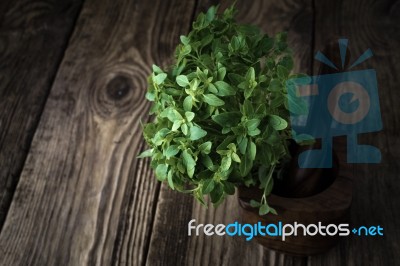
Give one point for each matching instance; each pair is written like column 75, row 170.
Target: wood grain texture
column 83, row 197
column 169, row 239
column 33, row 37
column 376, row 198
column 206, row 250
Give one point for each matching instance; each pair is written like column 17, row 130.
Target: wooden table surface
column 72, row 85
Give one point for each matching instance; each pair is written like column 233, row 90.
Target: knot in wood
column 118, row 88
column 117, row 91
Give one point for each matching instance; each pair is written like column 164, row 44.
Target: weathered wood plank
column 214, row 250
column 375, row 25
column 33, row 37
column 174, row 211
column 83, row 197
column 169, row 239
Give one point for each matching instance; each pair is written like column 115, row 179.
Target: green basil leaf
column 224, row 144
column 221, row 73
column 228, row 119
column 304, row 139
column 184, row 129
column 270, row 186
column 264, row 209
column 252, row 149
column 189, row 162
column 250, row 75
column 207, row 40
column 173, row 92
column 212, row 88
column 232, row 147
column 255, row 204
column 172, row 151
column 274, row 85
column 235, row 78
column 210, row 15
column 246, row 165
column 277, row 122
column 157, row 70
column 207, row 162
column 188, row 103
column 254, row 132
column 161, row 172
column 236, row 157
column 247, row 107
column 170, row 180
column 205, row 147
column 252, row 124
column 199, row 197
column 297, row 105
column 225, row 130
column 283, row 73
column 229, row 188
column 171, row 114
column 243, row 145
column 189, row 116
column 208, row 186
column 266, row 44
column 213, row 100
column 265, row 155
column 277, row 101
column 197, row 133
column 224, row 89
column 186, row 49
column 146, row 153
column 182, row 80
column 185, row 40
column 150, row 96
column 248, row 91
column 160, row 78
column 217, row 193
column 226, row 163
column 273, row 211
column 176, row 125
column 287, row 62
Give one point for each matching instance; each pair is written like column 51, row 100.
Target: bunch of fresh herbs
column 221, row 110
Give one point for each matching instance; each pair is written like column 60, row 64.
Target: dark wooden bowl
column 331, row 206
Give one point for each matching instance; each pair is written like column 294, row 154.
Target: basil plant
column 221, row 112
